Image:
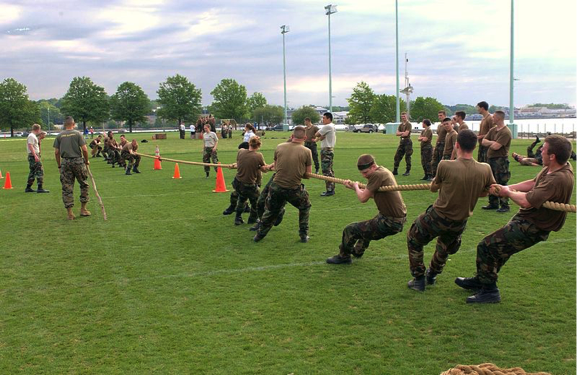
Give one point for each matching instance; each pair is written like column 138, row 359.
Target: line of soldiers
column 494, row 139
column 460, row 182
column 115, row 153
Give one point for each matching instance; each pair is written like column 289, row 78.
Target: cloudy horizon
column 458, row 51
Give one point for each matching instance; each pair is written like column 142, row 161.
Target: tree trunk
column 83, row 126
column 11, row 131
column 130, row 126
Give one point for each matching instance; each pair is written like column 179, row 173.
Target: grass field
column 169, row 285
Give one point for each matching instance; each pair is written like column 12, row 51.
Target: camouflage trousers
column 114, row 156
column 500, row 169
column 405, row 149
column 427, row 226
column 437, row 156
column 482, row 154
column 327, row 156
column 313, row 147
column 494, row 250
column 36, row 170
column 246, row 192
column 426, row 158
column 358, row 236
column 70, row 170
column 275, row 201
column 207, row 156
column 133, row 160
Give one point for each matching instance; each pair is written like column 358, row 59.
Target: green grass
column 169, row 285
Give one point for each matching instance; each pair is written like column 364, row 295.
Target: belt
column 328, row 148
column 75, row 157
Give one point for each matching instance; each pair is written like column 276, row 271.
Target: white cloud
column 9, row 13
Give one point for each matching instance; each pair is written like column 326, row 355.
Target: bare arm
column 362, row 194
column 32, row 151
column 309, row 170
column 516, row 196
column 57, row 157
column 85, row 153
column 523, row 186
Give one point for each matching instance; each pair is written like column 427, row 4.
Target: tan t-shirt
column 450, row 140
column 461, row 183
column 248, row 166
column 389, row 203
column 310, row 132
column 485, row 125
column 128, row 147
column 403, row 127
column 555, row 187
column 462, row 127
column 428, row 133
column 502, row 137
column 291, row 162
column 441, row 133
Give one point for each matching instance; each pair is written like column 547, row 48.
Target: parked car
column 277, row 127
column 367, row 128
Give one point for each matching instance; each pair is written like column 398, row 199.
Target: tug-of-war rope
column 488, row 369
column 550, row 205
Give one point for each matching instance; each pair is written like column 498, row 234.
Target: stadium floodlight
column 330, row 9
column 284, row 29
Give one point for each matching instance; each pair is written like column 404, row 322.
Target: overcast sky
column 458, row 50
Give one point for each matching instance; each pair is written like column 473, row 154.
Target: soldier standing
column 69, row 147
column 292, row 161
column 460, row 183
column 129, row 153
column 531, row 225
column 460, row 121
column 389, row 221
column 311, row 141
column 405, row 146
column 498, row 141
column 250, row 163
column 328, row 137
column 426, row 149
column 484, row 127
column 449, row 152
column 34, row 162
column 210, row 144
column 440, row 145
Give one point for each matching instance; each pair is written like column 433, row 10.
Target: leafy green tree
column 49, row 113
column 230, row 100
column 86, row 102
column 493, row 108
column 129, row 104
column 384, row 108
column 180, row 99
column 16, row 110
column 360, row 103
column 423, row 108
column 269, row 113
column 256, row 100
column 298, row 116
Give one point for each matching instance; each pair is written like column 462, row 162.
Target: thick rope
column 550, row 205
column 96, row 192
column 488, row 369
column 229, row 166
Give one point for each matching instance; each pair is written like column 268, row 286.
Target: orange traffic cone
column 1, row 177
column 8, row 183
column 176, row 171
column 220, row 184
column 157, row 165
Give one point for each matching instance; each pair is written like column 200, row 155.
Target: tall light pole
column 398, row 104
column 330, row 9
column 512, row 125
column 48, row 108
column 284, row 29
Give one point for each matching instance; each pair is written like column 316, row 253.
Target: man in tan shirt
column 450, row 140
column 440, row 145
column 498, row 141
column 311, row 141
column 389, row 221
column 460, row 183
column 484, row 127
column 459, row 119
column 405, row 145
column 292, row 161
column 531, row 225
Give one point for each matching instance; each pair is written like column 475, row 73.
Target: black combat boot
column 487, row 294
column 238, row 219
column 395, row 172
column 340, row 259
column 418, row 283
column 29, row 189
column 407, row 172
column 229, row 210
column 431, row 277
column 128, row 171
column 135, row 169
column 41, row 189
column 470, row 283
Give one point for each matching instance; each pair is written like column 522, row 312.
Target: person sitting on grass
column 532, row 159
column 389, row 221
